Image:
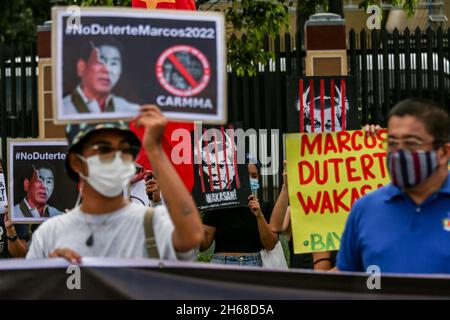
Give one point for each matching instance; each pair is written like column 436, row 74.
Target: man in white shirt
column 99, row 68
column 101, row 157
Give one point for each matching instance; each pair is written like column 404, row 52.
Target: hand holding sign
column 152, row 187
column 254, row 206
column 154, row 122
column 285, row 177
column 6, row 220
column 371, row 130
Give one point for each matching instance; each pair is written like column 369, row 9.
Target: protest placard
column 327, row 173
column 108, row 62
column 3, row 197
column 38, row 186
column 321, row 104
column 220, row 181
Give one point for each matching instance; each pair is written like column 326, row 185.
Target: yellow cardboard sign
column 327, row 173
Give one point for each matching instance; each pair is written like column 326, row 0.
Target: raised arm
column 279, row 210
column 188, row 232
column 267, row 237
column 18, row 247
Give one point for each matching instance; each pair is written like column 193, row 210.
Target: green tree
column 407, row 5
column 311, row 6
column 255, row 19
column 19, row 19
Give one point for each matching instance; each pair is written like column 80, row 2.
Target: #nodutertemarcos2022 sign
column 108, row 62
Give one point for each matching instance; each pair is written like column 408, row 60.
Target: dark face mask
column 409, row 168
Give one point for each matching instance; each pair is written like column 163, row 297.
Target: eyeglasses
column 107, row 153
column 411, row 144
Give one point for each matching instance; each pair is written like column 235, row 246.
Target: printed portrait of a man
column 217, row 161
column 220, row 179
column 329, row 115
column 322, row 104
column 99, row 69
column 38, row 182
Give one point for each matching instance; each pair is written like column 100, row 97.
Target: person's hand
column 285, row 177
column 154, row 122
column 6, row 220
column 152, row 186
column 371, row 130
column 254, row 206
column 9, row 226
column 67, row 254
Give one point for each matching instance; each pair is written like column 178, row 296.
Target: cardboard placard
column 327, row 173
column 220, row 181
column 334, row 104
column 114, row 60
column 39, row 187
column 3, row 197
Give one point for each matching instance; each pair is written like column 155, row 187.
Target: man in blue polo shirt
column 404, row 227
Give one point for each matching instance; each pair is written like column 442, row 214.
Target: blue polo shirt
column 386, row 228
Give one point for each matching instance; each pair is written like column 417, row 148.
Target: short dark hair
column 86, row 48
column 433, row 116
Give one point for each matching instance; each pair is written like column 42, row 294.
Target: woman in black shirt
column 240, row 233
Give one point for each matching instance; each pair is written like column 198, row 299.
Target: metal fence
column 18, row 93
column 393, row 66
column 388, row 67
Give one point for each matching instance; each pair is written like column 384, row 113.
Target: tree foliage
column 19, row 19
column 311, row 6
column 258, row 18
column 255, row 19
column 407, row 5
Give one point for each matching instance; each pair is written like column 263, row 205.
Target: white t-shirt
column 139, row 193
column 119, row 234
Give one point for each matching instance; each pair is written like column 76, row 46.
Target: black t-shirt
column 236, row 228
column 22, row 233
column 303, row 261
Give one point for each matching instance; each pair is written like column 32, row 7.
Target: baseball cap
column 78, row 134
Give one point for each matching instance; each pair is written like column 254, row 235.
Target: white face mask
column 108, row 179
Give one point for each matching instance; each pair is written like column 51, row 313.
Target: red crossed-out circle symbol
column 183, row 70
